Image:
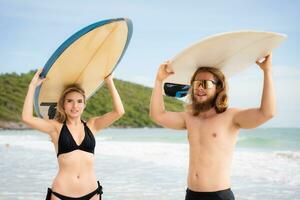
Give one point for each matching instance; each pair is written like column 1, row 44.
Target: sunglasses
column 205, row 84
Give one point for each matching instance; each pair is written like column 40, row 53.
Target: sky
column 32, row 30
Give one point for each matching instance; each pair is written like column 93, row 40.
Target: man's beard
column 204, row 106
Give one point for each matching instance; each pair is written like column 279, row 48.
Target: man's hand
column 266, row 65
column 164, row 71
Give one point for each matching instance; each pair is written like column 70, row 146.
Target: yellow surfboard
column 86, row 58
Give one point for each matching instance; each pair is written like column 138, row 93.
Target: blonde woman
column 73, row 139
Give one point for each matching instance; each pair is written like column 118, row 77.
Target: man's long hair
column 220, row 102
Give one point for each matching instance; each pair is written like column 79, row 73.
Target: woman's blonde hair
column 60, row 114
column 221, row 98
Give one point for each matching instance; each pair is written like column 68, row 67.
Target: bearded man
column 212, row 127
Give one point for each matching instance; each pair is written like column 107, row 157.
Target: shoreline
column 10, row 125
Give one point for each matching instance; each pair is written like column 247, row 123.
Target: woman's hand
column 108, row 79
column 36, row 80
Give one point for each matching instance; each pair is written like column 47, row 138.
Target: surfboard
column 85, row 58
column 231, row 52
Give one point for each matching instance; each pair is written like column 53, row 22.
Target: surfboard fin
column 176, row 90
column 51, row 108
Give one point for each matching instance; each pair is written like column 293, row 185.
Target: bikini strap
column 49, row 192
column 84, row 123
column 99, row 189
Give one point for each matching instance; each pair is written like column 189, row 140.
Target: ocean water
column 151, row 164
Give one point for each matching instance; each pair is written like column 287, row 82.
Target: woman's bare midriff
column 76, row 176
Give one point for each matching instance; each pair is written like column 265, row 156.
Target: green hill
column 135, row 97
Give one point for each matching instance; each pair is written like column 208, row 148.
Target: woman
column 73, row 140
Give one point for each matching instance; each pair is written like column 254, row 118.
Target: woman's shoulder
column 57, row 125
column 90, row 124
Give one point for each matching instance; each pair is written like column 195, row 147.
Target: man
column 212, row 127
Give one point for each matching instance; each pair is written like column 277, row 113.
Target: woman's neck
column 73, row 121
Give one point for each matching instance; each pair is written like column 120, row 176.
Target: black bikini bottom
column 85, row 197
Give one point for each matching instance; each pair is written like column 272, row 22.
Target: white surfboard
column 231, row 52
column 86, row 58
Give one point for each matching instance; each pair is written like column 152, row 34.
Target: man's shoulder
column 230, row 112
column 187, row 113
column 233, row 110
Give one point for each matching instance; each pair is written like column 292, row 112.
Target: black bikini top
column 66, row 142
